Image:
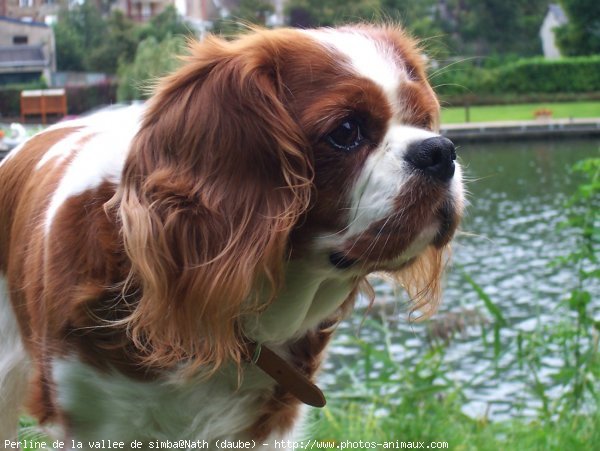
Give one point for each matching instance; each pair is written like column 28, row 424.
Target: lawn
column 523, row 111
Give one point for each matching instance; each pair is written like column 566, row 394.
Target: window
column 20, row 40
column 25, row 3
column 146, row 11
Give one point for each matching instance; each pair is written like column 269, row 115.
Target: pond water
column 517, row 197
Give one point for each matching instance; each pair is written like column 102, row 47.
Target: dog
column 174, row 271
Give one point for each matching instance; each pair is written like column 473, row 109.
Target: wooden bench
column 42, row 102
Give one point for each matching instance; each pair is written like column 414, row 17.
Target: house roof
column 22, row 55
column 30, row 23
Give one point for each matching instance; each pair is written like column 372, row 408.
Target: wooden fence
column 43, row 102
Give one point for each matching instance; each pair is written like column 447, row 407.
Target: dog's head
column 282, row 145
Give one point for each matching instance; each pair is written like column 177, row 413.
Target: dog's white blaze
column 382, row 178
column 369, row 58
column 107, row 139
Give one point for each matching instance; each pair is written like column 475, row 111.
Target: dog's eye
column 346, row 136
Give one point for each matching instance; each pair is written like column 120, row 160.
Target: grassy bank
column 420, row 404
column 439, row 419
column 524, row 111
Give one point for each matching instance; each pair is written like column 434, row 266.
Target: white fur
column 113, row 406
column 457, row 190
column 313, row 291
column 14, row 367
column 62, row 149
column 382, row 179
column 371, row 59
column 101, row 147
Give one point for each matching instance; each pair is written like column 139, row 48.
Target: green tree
column 581, row 35
column 119, row 44
column 416, row 15
column 69, row 47
column 310, row 13
column 85, row 41
column 76, row 32
column 484, row 27
column 167, row 23
column 153, row 59
column 420, row 19
column 248, row 12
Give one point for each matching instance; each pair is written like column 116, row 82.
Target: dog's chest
column 112, row 406
column 100, row 405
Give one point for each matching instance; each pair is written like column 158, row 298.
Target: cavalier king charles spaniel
column 175, row 270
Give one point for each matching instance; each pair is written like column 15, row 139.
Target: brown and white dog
column 156, row 262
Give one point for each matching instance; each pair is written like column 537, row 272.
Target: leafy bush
column 525, row 76
column 511, row 98
column 152, row 60
column 87, row 40
column 579, row 36
column 458, row 78
column 578, row 74
column 84, row 98
column 10, row 97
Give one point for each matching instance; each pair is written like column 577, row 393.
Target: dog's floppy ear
column 216, row 178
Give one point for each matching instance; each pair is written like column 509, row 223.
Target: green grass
column 451, row 115
column 423, row 405
column 440, row 420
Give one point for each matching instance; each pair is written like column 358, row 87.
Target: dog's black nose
column 434, row 156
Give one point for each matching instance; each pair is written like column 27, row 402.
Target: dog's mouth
column 393, row 243
column 341, row 260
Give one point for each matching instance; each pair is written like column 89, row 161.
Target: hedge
column 514, row 98
column 79, row 98
column 82, row 99
column 579, row 74
column 10, row 104
column 529, row 76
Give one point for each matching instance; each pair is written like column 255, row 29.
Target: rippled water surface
column 517, row 197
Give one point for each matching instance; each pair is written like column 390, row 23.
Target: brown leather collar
column 288, row 377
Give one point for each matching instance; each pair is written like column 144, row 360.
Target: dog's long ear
column 216, row 178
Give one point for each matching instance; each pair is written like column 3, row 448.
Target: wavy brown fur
column 201, row 240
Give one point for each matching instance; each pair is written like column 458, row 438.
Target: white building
column 27, row 51
column 555, row 17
